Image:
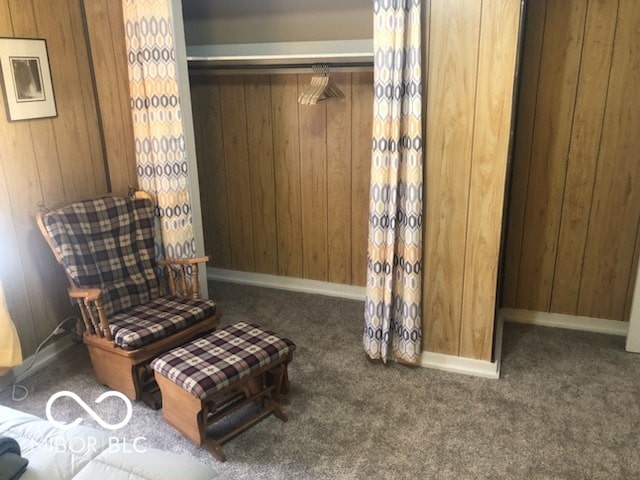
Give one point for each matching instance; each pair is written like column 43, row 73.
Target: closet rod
column 285, row 57
column 201, row 68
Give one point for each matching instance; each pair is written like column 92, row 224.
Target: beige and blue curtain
column 394, row 259
column 157, row 121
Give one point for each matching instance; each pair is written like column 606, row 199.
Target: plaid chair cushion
column 107, row 243
column 157, row 319
column 215, row 361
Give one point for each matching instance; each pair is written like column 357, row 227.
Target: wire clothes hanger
column 321, row 88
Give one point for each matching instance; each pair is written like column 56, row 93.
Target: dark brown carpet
column 567, row 405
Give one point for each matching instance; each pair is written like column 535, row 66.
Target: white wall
column 251, row 21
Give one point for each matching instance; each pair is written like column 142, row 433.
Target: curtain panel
column 393, row 319
column 157, row 121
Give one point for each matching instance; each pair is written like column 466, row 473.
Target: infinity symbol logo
column 89, row 410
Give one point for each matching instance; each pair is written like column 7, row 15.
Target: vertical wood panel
column 583, row 153
column 452, row 72
column 554, row 114
column 497, row 58
column 128, row 160
column 595, row 198
column 339, row 184
column 313, row 184
column 53, row 22
column 211, row 168
column 361, row 135
column 108, row 54
column 526, row 111
column 286, row 148
column 90, row 118
column 234, row 131
column 260, row 144
column 614, row 216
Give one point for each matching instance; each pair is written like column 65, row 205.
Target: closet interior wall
column 285, row 186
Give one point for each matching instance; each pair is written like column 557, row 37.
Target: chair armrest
column 180, row 282
column 90, row 303
column 183, row 261
column 86, row 294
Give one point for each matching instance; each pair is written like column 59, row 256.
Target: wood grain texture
column 234, row 131
column 495, row 87
column 52, row 160
column 260, row 145
column 48, row 163
column 84, row 65
column 594, row 200
column 551, row 133
column 53, row 23
column 38, row 266
column 286, row 148
column 313, row 185
column 211, row 168
column 339, row 185
column 106, row 38
column 361, row 135
column 452, row 74
column 308, row 175
column 615, row 213
column 525, row 117
column 584, row 148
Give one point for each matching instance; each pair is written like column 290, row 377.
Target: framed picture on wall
column 26, row 79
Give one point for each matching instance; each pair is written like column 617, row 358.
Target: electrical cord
column 15, row 385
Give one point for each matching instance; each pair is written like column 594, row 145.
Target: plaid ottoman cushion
column 157, row 319
column 215, row 361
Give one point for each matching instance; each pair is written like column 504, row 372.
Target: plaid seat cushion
column 213, row 362
column 157, row 319
column 108, row 243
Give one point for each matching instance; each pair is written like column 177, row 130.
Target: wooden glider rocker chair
column 131, row 314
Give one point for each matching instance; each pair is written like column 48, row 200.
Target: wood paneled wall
column 50, row 161
column 105, row 29
column 284, row 187
column 573, row 233
column 471, row 66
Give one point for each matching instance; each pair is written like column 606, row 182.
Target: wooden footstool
column 215, row 375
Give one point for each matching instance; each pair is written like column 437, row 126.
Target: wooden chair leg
column 277, row 410
column 215, row 449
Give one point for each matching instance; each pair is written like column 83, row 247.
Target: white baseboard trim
column 303, row 285
column 560, row 320
column 468, row 366
column 44, row 356
column 449, row 363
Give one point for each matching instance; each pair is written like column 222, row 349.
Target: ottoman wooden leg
column 182, row 410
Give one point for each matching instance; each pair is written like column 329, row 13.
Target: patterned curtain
column 394, row 261
column 157, row 121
